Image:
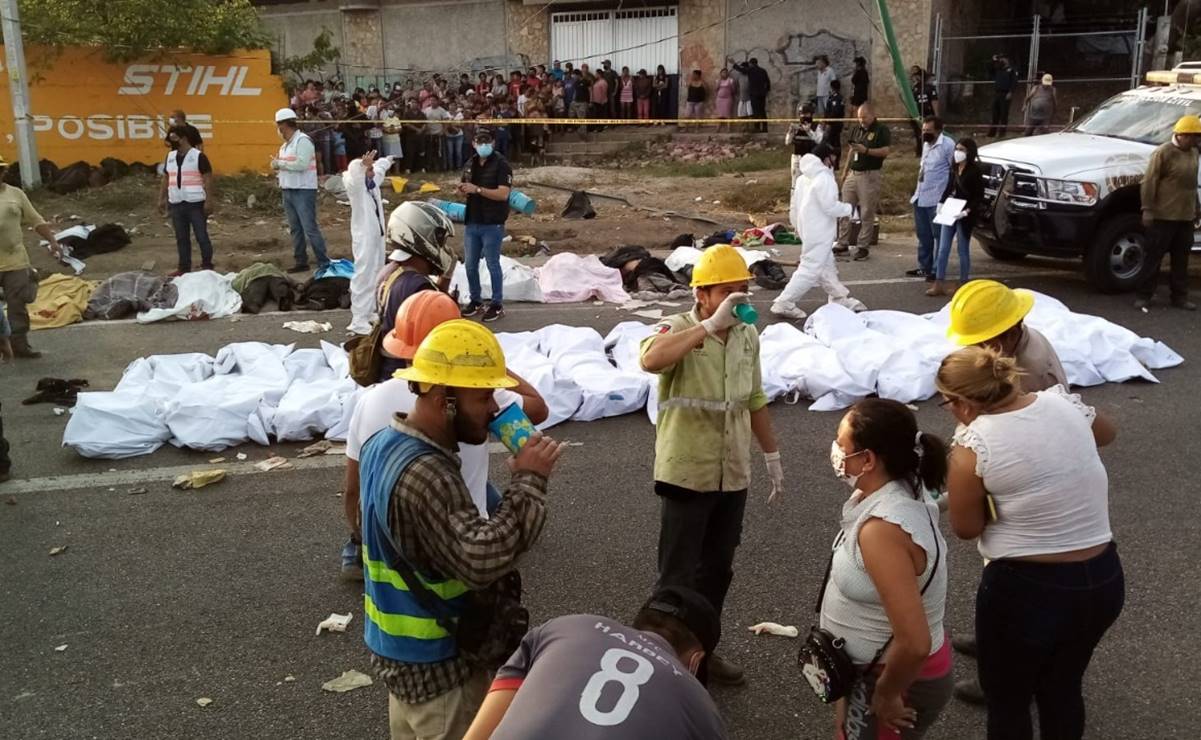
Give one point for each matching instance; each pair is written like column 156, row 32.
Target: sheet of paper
column 948, row 212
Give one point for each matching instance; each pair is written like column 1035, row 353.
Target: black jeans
column 698, row 535
column 187, row 218
column 759, row 111
column 5, row 462
column 1173, row 238
column 1036, row 627
column 1000, row 114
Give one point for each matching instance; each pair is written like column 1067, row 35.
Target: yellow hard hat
column 719, row 264
column 459, row 354
column 983, row 309
column 1189, row 124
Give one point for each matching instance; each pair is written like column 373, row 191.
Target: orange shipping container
column 87, row 108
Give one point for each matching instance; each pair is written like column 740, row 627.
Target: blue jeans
column 945, row 235
column 454, row 152
column 1037, row 625
column 923, row 222
column 484, row 239
column 188, row 218
column 301, row 209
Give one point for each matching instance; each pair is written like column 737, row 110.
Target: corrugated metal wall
column 639, row 39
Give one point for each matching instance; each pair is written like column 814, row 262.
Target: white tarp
column 204, row 294
column 682, row 257
column 519, row 281
column 262, row 392
column 572, row 278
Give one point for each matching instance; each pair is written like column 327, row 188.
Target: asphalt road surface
column 165, row 597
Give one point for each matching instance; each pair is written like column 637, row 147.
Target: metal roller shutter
column 641, row 38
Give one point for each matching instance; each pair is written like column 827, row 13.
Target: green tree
column 126, row 29
column 324, row 52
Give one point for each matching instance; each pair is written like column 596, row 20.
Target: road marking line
column 154, row 475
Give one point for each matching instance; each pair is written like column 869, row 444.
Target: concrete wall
column 295, row 25
column 441, row 35
column 705, row 49
column 528, row 31
column 785, row 38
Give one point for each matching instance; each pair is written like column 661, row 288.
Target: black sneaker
column 861, row 254
column 471, row 309
column 298, row 268
column 841, row 249
column 494, row 312
column 915, row 272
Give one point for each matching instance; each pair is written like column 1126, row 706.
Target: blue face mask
column 484, row 150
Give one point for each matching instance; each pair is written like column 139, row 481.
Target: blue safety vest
column 396, row 626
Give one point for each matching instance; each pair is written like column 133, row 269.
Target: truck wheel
column 1117, row 258
column 997, row 252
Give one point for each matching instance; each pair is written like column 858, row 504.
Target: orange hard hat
column 416, row 318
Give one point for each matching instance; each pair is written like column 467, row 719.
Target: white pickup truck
column 1075, row 193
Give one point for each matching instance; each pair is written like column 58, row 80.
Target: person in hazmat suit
column 814, row 213
column 368, row 229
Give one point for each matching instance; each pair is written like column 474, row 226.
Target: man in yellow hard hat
column 711, row 401
column 441, row 594
column 989, row 314
column 1169, row 198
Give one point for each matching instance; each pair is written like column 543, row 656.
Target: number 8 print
column 609, row 672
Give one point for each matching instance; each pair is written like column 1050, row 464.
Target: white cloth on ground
column 520, row 282
column 572, row 278
column 681, row 257
column 624, row 345
column 202, row 295
column 368, row 227
column 579, row 353
column 562, row 395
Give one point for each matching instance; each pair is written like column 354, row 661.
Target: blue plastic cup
column 521, row 202
column 512, row 427
column 746, row 313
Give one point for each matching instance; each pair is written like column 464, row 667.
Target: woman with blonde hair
column 1025, row 479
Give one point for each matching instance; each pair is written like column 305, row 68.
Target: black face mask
column 929, row 138
column 806, row 119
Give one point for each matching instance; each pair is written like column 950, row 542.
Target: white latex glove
column 775, row 471
column 723, row 317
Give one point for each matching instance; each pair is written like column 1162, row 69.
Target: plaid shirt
column 440, row 531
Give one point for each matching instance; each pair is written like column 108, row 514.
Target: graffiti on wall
column 793, row 73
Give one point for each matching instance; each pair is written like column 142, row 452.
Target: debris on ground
column 61, row 648
column 242, row 456
column 58, row 411
column 348, row 681
column 772, row 628
column 324, row 447
column 272, row 463
column 289, row 678
column 308, row 327
column 204, row 701
column 216, row 460
column 335, row 623
column 198, row 479
column 58, row 550
column 138, row 491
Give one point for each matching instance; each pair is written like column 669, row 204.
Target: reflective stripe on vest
column 703, row 404
column 184, row 183
column 395, row 625
column 290, row 179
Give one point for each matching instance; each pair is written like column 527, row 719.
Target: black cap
column 694, row 610
column 482, row 134
column 822, row 150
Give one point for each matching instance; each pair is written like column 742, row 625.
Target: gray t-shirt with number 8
column 584, row 677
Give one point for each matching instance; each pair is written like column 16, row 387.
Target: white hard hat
column 285, row 114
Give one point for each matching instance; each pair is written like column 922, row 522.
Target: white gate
column 641, row 38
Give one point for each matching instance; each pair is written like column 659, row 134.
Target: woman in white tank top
column 1026, row 480
column 887, row 587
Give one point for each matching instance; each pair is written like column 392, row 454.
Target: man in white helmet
column 368, row 235
column 296, row 165
column 417, row 233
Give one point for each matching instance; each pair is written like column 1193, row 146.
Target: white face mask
column 838, row 459
column 960, row 156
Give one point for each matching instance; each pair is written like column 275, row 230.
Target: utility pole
column 18, row 88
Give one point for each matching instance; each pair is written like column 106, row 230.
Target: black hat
column 822, row 150
column 694, row 610
column 482, row 134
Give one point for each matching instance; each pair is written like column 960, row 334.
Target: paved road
column 166, row 597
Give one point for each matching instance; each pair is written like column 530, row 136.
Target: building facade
column 388, row 40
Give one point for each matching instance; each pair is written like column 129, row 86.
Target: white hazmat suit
column 367, row 239
column 814, row 212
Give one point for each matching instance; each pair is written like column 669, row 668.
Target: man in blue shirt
column 938, row 152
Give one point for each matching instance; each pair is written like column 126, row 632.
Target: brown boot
column 936, row 289
column 21, row 348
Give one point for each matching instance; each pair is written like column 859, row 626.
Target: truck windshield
column 1137, row 116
